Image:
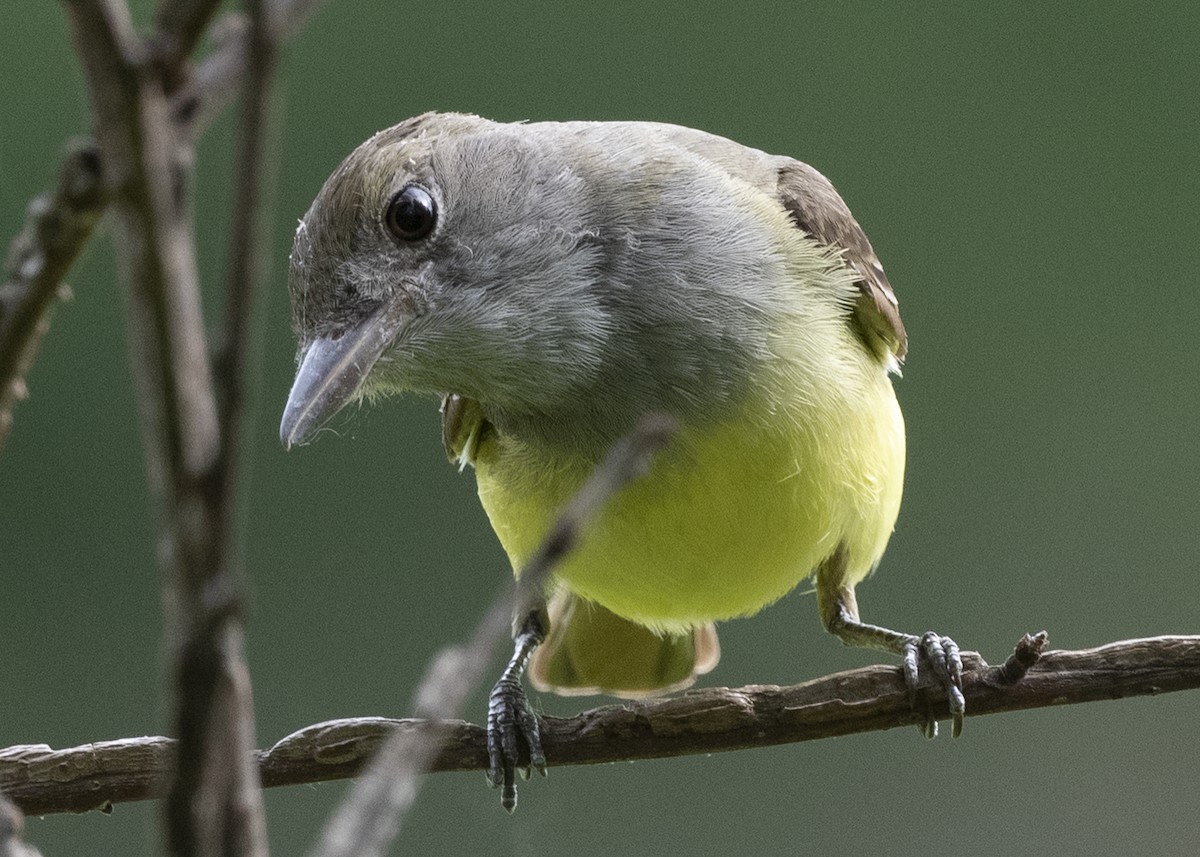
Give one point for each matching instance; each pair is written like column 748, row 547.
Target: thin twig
column 154, row 239
column 59, row 224
column 709, row 720
column 233, row 363
column 370, row 816
column 210, row 667
column 148, row 111
column 179, row 24
column 213, row 84
column 108, row 34
column 214, row 805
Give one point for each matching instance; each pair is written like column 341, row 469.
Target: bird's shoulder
column 815, row 207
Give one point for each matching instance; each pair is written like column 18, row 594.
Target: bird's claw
column 942, row 656
column 514, row 740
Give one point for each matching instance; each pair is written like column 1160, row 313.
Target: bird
column 554, row 282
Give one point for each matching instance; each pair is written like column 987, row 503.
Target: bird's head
column 446, row 254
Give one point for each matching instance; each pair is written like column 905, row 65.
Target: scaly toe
column 942, row 655
column 514, row 740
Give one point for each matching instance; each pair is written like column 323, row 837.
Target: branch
column 214, row 712
column 59, row 224
column 214, row 804
column 245, row 276
column 214, row 83
column 179, row 24
column 147, row 110
column 869, row 699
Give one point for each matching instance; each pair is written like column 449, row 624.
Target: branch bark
column 179, row 24
column 214, row 803
column 245, row 274
column 60, row 223
column 95, row 776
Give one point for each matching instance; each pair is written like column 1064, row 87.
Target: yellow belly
column 730, row 518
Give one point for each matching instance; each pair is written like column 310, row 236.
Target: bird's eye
column 411, row 214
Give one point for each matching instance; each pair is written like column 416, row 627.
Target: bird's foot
column 942, row 656
column 514, row 740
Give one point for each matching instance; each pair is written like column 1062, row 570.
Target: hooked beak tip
column 296, row 424
column 332, row 370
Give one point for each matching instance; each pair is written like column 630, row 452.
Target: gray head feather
column 580, row 274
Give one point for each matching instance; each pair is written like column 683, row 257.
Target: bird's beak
column 333, row 368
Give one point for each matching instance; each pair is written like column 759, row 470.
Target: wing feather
column 819, row 210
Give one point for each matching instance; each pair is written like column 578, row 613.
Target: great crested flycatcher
column 557, row 281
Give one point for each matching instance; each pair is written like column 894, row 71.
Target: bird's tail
column 592, row 650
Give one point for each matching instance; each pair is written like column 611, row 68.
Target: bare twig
column 214, row 804
column 212, row 656
column 212, row 86
column 148, row 110
column 179, row 24
column 214, row 83
column 244, row 278
column 710, row 720
column 370, row 816
column 59, row 224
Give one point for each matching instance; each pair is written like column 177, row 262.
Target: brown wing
column 817, row 208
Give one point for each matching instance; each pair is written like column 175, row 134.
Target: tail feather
column 591, row 650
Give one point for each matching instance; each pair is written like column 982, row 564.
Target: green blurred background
column 1029, row 174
